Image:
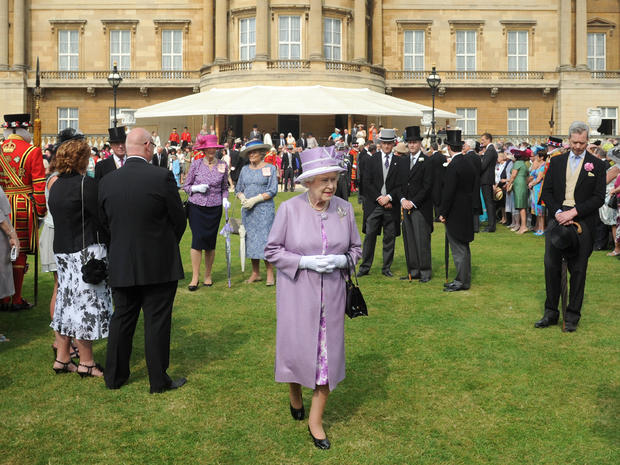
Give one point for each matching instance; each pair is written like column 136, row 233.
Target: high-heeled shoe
column 298, row 413
column 65, row 367
column 89, row 372
column 320, row 443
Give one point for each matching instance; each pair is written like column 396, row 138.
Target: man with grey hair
column 573, row 191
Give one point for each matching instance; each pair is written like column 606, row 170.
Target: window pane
column 283, row 51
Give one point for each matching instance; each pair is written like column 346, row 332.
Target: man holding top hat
column 417, row 207
column 117, row 160
column 22, row 176
column 382, row 192
column 456, row 210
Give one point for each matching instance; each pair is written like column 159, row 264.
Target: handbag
column 613, row 202
column 94, row 270
column 355, row 303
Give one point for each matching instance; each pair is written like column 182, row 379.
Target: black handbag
column 613, row 202
column 94, row 270
column 355, row 303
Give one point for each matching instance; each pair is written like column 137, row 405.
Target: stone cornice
column 159, row 23
column 62, row 23
column 120, row 23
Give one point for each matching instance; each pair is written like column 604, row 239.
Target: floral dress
column 321, row 356
column 537, row 209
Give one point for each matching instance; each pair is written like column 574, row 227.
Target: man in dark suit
column 281, row 141
column 117, row 139
column 302, row 142
column 288, row 169
column 141, row 208
column 573, row 191
column 382, row 193
column 437, row 160
column 487, row 178
column 347, row 138
column 473, row 157
column 417, row 208
column 455, row 211
column 160, row 158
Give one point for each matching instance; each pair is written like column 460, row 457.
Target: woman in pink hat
column 207, row 186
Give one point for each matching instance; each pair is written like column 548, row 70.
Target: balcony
column 94, row 79
column 482, row 79
column 605, row 74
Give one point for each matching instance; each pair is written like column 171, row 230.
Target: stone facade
column 371, row 46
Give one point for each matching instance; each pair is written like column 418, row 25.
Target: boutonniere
column 588, row 167
column 420, row 160
column 445, row 164
column 341, row 212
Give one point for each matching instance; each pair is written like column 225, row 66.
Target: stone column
column 581, row 34
column 565, row 34
column 359, row 31
column 207, row 15
column 315, row 28
column 262, row 29
column 4, row 34
column 19, row 35
column 221, row 31
column 377, row 33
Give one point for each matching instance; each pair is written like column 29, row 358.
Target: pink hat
column 207, row 141
column 319, row 160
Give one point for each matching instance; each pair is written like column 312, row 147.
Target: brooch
column 341, row 212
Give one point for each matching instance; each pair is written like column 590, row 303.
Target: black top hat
column 66, row 135
column 19, row 120
column 412, row 134
column 117, row 135
column 566, row 238
column 453, row 138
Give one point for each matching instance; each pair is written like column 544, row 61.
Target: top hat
column 387, row 135
column 317, row 161
column 412, row 134
column 117, row 135
column 453, row 138
column 207, row 141
column 253, row 145
column 566, row 238
column 66, row 135
column 15, row 121
column 554, row 141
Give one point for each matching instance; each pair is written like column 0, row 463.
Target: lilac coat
column 296, row 231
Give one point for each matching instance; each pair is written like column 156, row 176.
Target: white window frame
column 414, row 49
column 68, row 117
column 169, row 52
column 520, row 119
column 332, row 39
column 610, row 113
column 597, row 59
column 469, row 40
column 120, row 112
column 72, row 54
column 247, row 31
column 468, row 120
column 520, row 52
column 289, row 42
column 118, row 38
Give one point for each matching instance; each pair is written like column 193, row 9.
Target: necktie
column 387, row 161
column 122, row 162
column 575, row 162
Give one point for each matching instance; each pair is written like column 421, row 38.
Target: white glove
column 225, row 203
column 318, row 263
column 338, row 261
column 202, row 188
column 241, row 196
column 252, row 201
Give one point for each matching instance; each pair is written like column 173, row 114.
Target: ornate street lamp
column 115, row 79
column 433, row 81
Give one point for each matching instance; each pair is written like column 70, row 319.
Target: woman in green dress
column 518, row 184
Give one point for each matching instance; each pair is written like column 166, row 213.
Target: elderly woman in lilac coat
column 307, row 244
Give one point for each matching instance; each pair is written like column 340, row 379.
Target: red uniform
column 186, row 137
column 174, row 137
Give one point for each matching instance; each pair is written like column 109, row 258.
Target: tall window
column 290, row 38
column 67, row 118
column 518, row 121
column 517, row 50
column 332, row 39
column 124, row 116
column 467, row 120
column 247, row 39
column 68, row 50
column 609, row 125
column 120, row 49
column 414, row 51
column 466, row 50
column 172, row 49
column 596, row 51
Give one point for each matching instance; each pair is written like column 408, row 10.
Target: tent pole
column 350, row 123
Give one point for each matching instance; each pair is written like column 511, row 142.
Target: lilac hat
column 319, row 160
column 207, row 141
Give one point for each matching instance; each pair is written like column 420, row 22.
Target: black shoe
column 23, row 305
column 569, row 327
column 176, row 384
column 89, row 370
column 488, row 230
column 320, row 443
column 192, row 288
column 65, row 367
column 545, row 321
column 425, row 280
column 387, row 273
column 455, row 288
column 298, row 413
column 361, row 273
column 451, row 283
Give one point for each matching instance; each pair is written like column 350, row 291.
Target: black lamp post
column 115, row 79
column 433, row 81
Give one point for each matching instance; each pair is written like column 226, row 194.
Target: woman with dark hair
column 82, row 310
column 537, row 175
column 518, row 184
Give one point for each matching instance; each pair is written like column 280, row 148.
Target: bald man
column 141, row 208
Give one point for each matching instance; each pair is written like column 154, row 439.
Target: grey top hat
column 387, row 135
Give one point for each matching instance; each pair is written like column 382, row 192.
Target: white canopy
column 290, row 100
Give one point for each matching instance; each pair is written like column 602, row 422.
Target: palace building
column 509, row 68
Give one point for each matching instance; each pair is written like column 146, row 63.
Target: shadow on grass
column 607, row 423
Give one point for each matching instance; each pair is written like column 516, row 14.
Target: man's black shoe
column 569, row 327
column 451, row 283
column 545, row 321
column 361, row 273
column 425, row 280
column 488, row 230
column 387, row 273
column 176, row 384
column 456, row 287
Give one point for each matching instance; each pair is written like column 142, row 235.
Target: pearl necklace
column 314, row 206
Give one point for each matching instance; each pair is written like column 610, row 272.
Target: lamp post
column 115, row 79
column 433, row 81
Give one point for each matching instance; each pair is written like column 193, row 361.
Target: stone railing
column 605, row 74
column 236, row 66
column 288, row 64
column 94, row 140
column 471, row 75
column 343, row 66
column 126, row 75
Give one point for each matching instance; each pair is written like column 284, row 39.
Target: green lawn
column 432, row 377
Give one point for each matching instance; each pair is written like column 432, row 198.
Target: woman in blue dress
column 256, row 187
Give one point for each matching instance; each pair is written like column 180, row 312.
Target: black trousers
column 377, row 219
column 288, row 176
column 156, row 301
column 489, row 201
column 577, row 266
column 417, row 241
column 461, row 254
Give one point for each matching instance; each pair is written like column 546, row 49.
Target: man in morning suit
column 417, row 208
column 456, row 209
column 382, row 193
column 438, row 160
column 288, row 178
column 160, row 158
column 141, row 208
column 487, row 178
column 573, row 191
column 117, row 143
column 472, row 156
